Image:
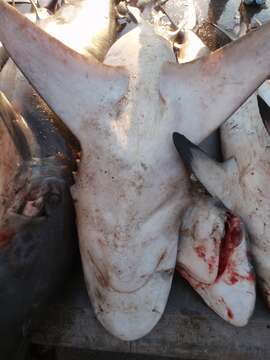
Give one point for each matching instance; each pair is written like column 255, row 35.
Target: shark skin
column 36, row 226
column 27, row 10
column 213, row 258
column 28, row 279
column 245, row 138
column 123, row 112
column 241, row 182
column 212, row 252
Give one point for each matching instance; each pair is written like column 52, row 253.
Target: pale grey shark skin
column 205, row 237
column 245, row 138
column 213, row 258
column 242, row 181
column 129, row 191
column 27, row 10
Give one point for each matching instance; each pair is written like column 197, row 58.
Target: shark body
column 129, row 192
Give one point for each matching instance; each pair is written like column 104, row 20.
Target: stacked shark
column 38, row 233
column 213, row 252
column 129, row 191
column 240, row 182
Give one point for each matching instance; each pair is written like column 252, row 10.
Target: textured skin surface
column 129, row 253
column 245, row 138
column 130, row 192
column 213, row 258
column 37, row 246
column 241, row 182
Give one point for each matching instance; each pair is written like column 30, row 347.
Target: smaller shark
column 242, row 181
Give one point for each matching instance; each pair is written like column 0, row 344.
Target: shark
column 240, row 182
column 129, row 193
column 38, row 245
column 213, row 252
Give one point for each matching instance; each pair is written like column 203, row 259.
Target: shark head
column 123, row 117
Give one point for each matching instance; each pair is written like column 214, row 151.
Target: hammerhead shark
column 129, row 193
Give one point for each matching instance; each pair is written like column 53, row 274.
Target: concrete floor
column 47, row 353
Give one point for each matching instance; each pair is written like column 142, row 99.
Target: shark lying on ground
column 241, row 182
column 38, row 235
column 129, row 192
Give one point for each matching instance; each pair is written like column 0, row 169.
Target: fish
column 241, row 181
column 36, row 225
column 213, row 244
column 245, row 139
column 213, row 256
column 38, row 222
column 128, row 191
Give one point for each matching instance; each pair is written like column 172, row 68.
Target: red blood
column 250, row 277
column 200, row 250
column 232, row 239
column 5, row 236
column 235, row 277
column 211, row 263
column 230, row 313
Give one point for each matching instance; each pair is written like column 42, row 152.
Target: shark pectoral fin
column 75, row 87
column 205, row 92
column 220, row 179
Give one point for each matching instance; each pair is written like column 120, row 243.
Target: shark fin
column 219, row 179
column 74, row 86
column 215, row 85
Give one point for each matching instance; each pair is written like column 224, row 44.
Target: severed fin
column 215, row 86
column 219, row 179
column 74, row 86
